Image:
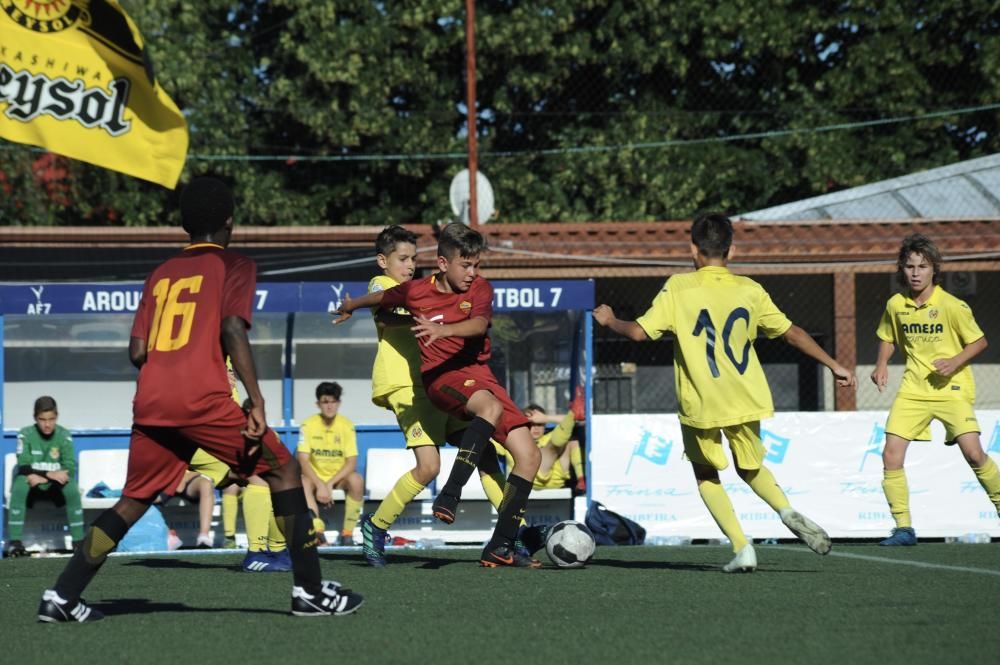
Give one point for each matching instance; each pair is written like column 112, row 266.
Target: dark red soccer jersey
column 184, row 302
column 421, row 296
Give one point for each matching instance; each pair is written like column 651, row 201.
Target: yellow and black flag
column 75, row 80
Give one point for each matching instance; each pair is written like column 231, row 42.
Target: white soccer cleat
column 807, row 531
column 331, row 599
column 745, row 561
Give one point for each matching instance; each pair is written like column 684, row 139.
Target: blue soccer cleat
column 264, row 562
column 373, row 542
column 903, row 536
column 281, row 561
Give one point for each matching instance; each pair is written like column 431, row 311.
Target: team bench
column 45, row 523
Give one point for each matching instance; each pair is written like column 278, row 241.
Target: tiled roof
column 591, row 249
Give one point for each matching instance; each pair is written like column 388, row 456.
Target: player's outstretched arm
column 948, row 366
column 236, row 344
column 802, row 341
column 605, row 316
column 348, row 305
column 880, row 375
column 426, row 330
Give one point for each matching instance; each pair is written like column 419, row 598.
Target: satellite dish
column 459, row 196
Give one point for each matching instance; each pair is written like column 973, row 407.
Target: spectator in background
column 561, row 454
column 46, row 467
column 328, row 454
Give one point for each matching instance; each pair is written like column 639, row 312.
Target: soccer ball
column 569, row 544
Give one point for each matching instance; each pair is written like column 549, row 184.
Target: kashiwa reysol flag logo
column 75, row 79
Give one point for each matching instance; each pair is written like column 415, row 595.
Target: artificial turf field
column 935, row 603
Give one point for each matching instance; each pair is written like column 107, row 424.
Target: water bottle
column 672, row 541
column 429, row 543
column 974, row 538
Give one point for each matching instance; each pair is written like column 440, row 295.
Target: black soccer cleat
column 55, row 609
column 506, row 555
column 15, row 549
column 331, row 599
column 445, row 507
column 532, row 537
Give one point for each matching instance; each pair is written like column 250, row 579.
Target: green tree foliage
column 353, row 112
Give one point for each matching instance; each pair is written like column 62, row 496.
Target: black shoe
column 532, row 538
column 445, row 507
column 55, row 609
column 331, row 599
column 506, row 555
column 15, row 549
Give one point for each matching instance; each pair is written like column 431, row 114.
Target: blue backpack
column 610, row 528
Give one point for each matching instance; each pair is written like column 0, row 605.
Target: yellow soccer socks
column 763, row 484
column 989, row 477
column 403, row 492
column 352, row 513
column 230, row 508
column 897, row 493
column 257, row 516
column 721, row 508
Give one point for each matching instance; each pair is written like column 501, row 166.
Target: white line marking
column 879, row 559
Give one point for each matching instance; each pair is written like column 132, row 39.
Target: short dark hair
column 329, row 389
column 918, row 243
column 712, row 234
column 534, row 407
column 45, row 403
column 457, row 239
column 206, row 204
column 391, row 236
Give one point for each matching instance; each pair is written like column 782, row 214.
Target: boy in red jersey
column 451, row 313
column 195, row 310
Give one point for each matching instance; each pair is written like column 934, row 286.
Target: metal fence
column 639, row 377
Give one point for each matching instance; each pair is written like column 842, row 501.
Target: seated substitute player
column 938, row 337
column 328, row 455
column 715, row 317
column 455, row 306
column 561, row 456
column 195, row 310
column 396, row 386
column 267, row 550
column 46, row 467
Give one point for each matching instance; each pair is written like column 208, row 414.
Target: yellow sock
column 275, row 539
column 721, row 508
column 230, row 509
column 402, row 493
column 897, row 493
column 576, row 461
column 989, row 478
column 256, row 515
column 319, row 525
column 352, row 512
column 493, row 484
column 763, row 484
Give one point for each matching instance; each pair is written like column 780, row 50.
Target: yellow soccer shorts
column 704, row 446
column 554, row 478
column 208, row 466
column 910, row 418
column 421, row 422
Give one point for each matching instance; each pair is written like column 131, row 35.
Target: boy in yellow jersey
column 715, row 317
column 938, row 337
column 560, row 452
column 396, row 385
column 328, row 455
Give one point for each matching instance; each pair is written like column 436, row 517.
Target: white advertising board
column 829, row 464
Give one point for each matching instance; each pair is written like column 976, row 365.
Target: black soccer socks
column 475, row 438
column 292, row 515
column 101, row 539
